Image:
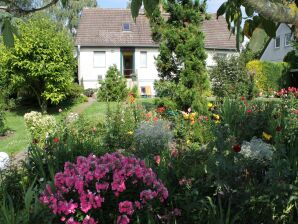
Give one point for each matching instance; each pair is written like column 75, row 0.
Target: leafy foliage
column 113, row 87
column 182, row 54
column 41, row 62
column 2, row 121
column 230, row 78
column 268, row 76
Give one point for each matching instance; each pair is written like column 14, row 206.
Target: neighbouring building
column 277, row 48
column 110, row 36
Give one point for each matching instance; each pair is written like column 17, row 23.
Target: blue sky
column 212, row 4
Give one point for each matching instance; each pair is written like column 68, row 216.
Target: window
column 99, row 77
column 277, row 42
column 99, row 59
column 288, row 39
column 126, row 27
column 143, row 59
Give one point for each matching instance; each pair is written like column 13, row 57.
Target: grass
column 20, row 138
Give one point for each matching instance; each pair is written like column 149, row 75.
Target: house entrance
column 128, row 63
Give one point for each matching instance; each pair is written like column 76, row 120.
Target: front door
column 127, row 61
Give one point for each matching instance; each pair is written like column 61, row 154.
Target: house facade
column 109, row 37
column 277, row 48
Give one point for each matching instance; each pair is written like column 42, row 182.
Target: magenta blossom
column 82, row 188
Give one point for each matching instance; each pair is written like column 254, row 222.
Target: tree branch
column 17, row 9
column 274, row 11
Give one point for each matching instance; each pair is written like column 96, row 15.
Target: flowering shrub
column 257, row 149
column 109, row 188
column 288, row 92
column 39, row 126
column 152, row 137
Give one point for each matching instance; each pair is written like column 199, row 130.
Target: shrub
column 2, row 122
column 152, row 137
column 112, row 188
column 40, row 126
column 230, row 78
column 89, row 92
column 268, row 76
column 113, row 87
column 257, row 149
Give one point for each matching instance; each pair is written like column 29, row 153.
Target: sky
column 213, row 5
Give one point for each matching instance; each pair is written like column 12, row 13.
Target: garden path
column 79, row 109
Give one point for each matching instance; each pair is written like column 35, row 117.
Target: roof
column 103, row 28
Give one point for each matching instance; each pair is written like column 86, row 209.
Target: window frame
column 143, row 53
column 275, row 46
column 129, row 27
column 99, row 65
column 290, row 39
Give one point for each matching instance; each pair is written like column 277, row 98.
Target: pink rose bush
column 94, row 185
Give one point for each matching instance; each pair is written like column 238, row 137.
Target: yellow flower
column 130, row 132
column 186, row 116
column 266, row 136
column 187, row 141
column 192, row 116
column 210, row 105
column 216, row 116
column 217, row 122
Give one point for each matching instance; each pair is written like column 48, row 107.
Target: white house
column 110, row 36
column 277, row 48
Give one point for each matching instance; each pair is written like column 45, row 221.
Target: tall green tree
column 260, row 14
column 182, row 53
column 41, row 61
column 69, row 15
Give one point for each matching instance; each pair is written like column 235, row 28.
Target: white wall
column 88, row 73
column 210, row 62
column 146, row 75
column 277, row 54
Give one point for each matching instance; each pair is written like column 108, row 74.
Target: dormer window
column 126, row 27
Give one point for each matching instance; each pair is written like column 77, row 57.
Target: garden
column 215, row 145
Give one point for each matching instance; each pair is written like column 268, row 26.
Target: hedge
column 269, row 76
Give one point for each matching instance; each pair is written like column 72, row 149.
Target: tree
column 11, row 9
column 41, row 62
column 182, row 53
column 262, row 13
column 69, row 14
column 113, row 87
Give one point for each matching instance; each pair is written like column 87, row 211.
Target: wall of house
column 274, row 54
column 146, row 75
column 211, row 54
column 88, row 73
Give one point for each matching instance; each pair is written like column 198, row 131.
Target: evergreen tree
column 113, row 87
column 182, row 53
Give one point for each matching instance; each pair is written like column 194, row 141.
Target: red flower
column 278, row 129
column 248, row 111
column 243, row 98
column 155, row 119
column 237, row 148
column 157, row 159
column 160, row 110
column 56, row 140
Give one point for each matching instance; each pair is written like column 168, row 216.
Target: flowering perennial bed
column 84, row 188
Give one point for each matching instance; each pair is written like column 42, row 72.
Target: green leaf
column 269, row 27
column 135, row 7
column 150, row 6
column 7, row 32
column 222, row 9
column 249, row 11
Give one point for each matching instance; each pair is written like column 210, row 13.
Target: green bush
column 269, row 76
column 113, row 87
column 2, row 123
column 230, row 78
column 40, row 126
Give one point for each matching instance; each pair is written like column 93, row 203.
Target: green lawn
column 20, row 138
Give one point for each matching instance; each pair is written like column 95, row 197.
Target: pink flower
column 123, row 219
column 157, row 159
column 248, row 111
column 126, row 207
column 174, row 153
